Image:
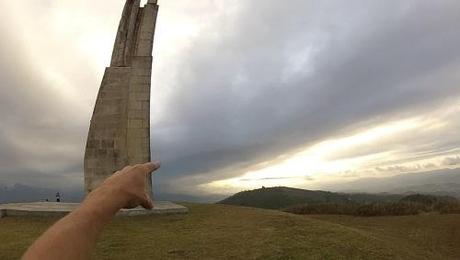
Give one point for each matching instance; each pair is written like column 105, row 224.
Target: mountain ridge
column 282, row 197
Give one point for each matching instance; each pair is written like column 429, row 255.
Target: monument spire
column 119, row 132
column 124, row 43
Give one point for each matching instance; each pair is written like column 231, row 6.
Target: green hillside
column 230, row 232
column 283, row 197
column 437, row 235
column 428, row 199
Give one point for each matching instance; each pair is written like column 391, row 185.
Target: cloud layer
column 235, row 85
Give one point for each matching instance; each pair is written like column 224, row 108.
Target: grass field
column 229, row 232
column 437, row 235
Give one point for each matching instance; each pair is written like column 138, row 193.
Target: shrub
column 324, row 208
column 410, row 205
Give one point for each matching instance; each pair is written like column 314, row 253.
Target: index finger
column 151, row 166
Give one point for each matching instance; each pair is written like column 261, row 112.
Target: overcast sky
column 244, row 93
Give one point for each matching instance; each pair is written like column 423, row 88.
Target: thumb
column 147, row 203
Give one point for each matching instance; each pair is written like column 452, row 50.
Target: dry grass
column 229, row 232
column 438, row 235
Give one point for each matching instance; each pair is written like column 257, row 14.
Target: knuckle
column 138, row 167
column 141, row 167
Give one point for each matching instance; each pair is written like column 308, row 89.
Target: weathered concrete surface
column 53, row 209
column 119, row 131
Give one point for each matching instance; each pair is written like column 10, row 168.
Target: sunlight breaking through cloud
column 339, row 158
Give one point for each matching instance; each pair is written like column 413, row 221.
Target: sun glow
column 320, row 160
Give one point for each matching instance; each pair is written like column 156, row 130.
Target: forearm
column 73, row 236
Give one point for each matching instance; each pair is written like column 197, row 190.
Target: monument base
column 55, row 209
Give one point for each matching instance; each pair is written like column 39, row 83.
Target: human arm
column 73, row 236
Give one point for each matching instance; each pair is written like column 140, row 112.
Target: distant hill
column 282, row 197
column 428, row 199
column 440, row 189
column 438, row 182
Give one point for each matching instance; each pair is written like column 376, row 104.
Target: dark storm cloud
column 262, row 79
column 366, row 61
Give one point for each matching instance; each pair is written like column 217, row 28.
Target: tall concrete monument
column 119, row 131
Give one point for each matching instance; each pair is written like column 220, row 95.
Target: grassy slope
column 229, row 232
column 437, row 234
